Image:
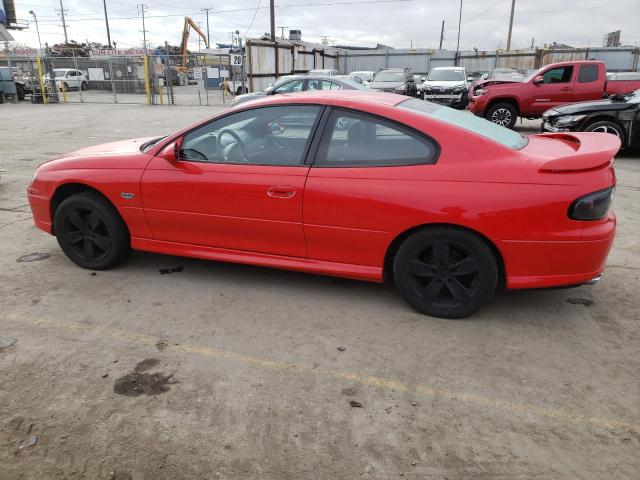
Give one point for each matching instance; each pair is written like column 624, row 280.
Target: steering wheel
column 237, row 141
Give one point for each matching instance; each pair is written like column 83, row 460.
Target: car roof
column 448, row 68
column 332, row 97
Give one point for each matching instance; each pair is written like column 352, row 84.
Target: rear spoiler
column 592, row 152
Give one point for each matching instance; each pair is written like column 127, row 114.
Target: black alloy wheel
column 91, row 232
column 445, row 272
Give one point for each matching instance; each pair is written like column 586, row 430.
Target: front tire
column 91, row 232
column 83, row 86
column 605, row 126
column 503, row 114
column 445, row 272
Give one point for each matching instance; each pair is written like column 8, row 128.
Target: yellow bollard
column 43, row 91
column 64, row 92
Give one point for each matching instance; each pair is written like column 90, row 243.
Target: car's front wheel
column 445, row 272
column 91, row 232
column 83, row 86
column 503, row 114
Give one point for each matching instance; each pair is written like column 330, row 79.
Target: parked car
column 359, row 184
column 447, row 86
column 503, row 101
column 396, row 80
column 365, row 75
column 324, row 71
column 618, row 115
column 301, row 83
column 69, row 79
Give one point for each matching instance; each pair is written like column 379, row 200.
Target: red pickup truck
column 502, row 102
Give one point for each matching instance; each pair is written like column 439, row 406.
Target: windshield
column 532, row 75
column 469, row 122
column 59, row 73
column 446, row 75
column 386, row 76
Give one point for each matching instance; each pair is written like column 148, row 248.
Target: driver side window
column 558, row 75
column 275, row 135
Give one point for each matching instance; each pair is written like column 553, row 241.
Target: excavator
column 188, row 22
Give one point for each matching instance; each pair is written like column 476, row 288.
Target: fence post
column 41, row 80
column 113, row 87
column 146, row 79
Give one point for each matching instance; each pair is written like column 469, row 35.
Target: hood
column 586, row 107
column 122, row 154
column 495, row 82
column 248, row 96
column 122, row 147
column 385, row 85
column 444, row 83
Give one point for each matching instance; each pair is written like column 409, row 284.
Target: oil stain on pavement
column 140, row 382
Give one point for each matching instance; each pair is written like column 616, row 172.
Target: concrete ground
column 237, row 372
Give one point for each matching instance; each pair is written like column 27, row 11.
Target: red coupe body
column 348, row 220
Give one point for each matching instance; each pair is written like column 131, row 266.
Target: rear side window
column 353, row 139
column 588, row 73
column 465, row 120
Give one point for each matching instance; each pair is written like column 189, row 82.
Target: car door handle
column 281, row 191
column 566, row 88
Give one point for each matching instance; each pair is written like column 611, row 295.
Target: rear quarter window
column 588, row 73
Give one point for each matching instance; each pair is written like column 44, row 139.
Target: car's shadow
column 547, row 307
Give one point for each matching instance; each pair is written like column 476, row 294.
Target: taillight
column 593, row 206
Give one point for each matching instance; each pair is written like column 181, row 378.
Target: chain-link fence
column 197, row 79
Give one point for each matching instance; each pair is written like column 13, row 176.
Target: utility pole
column 207, row 10
column 459, row 24
column 513, row 7
column 142, row 8
column 272, row 14
column 106, row 19
column 282, row 29
column 64, row 24
column 324, row 39
column 441, row 35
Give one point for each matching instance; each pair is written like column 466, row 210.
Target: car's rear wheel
column 20, row 92
column 605, row 126
column 445, row 272
column 503, row 114
column 91, row 232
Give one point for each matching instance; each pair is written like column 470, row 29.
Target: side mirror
column 538, row 79
column 171, row 152
column 469, row 79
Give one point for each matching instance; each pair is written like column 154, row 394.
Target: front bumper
column 40, row 209
column 459, row 100
column 477, row 105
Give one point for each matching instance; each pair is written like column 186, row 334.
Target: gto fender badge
column 127, row 195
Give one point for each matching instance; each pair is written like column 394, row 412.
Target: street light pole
column 35, row 18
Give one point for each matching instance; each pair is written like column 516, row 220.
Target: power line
column 253, row 18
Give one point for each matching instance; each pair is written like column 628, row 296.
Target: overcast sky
column 356, row 22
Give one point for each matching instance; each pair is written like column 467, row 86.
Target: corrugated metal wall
column 292, row 59
column 423, row 60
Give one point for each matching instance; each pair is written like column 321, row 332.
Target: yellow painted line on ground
column 369, row 380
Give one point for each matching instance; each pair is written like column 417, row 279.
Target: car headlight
column 568, row 120
column 400, row 88
column 480, row 91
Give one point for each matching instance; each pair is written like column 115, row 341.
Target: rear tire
column 606, row 126
column 503, row 114
column 83, row 86
column 91, row 232
column 445, row 272
column 20, row 92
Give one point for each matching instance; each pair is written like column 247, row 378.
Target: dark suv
column 396, row 80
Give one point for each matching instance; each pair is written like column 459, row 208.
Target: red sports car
column 356, row 184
